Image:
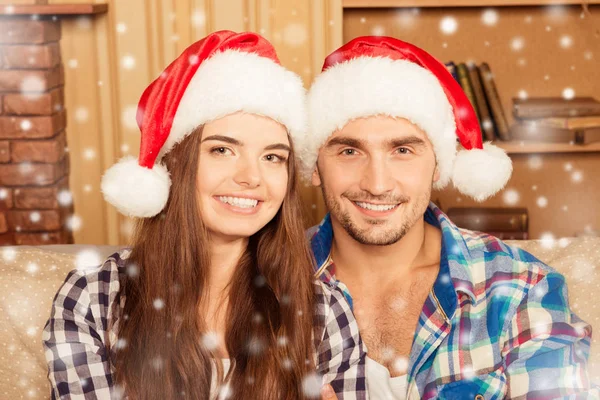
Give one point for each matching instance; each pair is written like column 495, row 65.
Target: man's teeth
column 376, row 207
column 238, row 201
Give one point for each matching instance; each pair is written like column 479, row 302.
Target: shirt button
column 479, row 397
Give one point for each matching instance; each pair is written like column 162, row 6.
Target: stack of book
column 556, row 120
column 478, row 84
column 503, row 223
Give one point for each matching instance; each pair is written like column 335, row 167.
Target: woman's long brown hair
column 271, row 300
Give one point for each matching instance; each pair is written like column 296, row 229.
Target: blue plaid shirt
column 495, row 325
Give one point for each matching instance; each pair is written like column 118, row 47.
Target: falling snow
column 448, row 25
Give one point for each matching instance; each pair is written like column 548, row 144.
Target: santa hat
column 385, row 76
column 223, row 73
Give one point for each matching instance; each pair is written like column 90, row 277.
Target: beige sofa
column 30, row 276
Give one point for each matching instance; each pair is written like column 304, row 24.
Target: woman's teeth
column 375, row 207
column 238, row 201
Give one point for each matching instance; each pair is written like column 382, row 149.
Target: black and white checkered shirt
column 84, row 320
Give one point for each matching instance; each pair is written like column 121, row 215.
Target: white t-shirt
column 219, row 392
column 381, row 385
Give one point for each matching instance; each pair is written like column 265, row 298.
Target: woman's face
column 242, row 174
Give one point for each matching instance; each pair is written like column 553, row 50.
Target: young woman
column 216, row 298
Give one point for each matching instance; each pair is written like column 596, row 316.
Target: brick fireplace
column 35, row 201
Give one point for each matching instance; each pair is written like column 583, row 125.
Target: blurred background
column 71, row 74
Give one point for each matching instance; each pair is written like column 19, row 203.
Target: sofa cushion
column 30, row 277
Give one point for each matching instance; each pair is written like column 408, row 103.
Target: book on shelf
column 451, row 67
column 552, row 107
column 491, row 94
column 533, row 131
column 569, row 122
column 485, row 118
column 465, row 82
column 552, row 127
column 489, row 219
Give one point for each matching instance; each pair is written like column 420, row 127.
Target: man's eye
column 349, row 152
column 404, row 150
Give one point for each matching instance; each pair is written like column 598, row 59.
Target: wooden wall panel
column 538, row 51
column 117, row 56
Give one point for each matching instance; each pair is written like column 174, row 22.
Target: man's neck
column 420, row 247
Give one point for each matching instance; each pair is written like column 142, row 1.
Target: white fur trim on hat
column 481, row 173
column 134, row 190
column 232, row 81
column 367, row 86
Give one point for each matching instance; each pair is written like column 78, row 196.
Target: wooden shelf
column 517, row 147
column 53, row 9
column 458, row 3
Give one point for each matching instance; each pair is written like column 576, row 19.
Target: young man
column 444, row 312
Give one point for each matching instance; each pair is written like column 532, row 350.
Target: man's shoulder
column 497, row 266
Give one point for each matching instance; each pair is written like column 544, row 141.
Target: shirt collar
column 454, row 275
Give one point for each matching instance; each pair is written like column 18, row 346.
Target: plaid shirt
column 495, row 325
column 85, row 315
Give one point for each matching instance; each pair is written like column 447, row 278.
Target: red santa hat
column 386, row 76
column 223, row 73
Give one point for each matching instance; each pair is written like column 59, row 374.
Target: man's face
column 376, row 175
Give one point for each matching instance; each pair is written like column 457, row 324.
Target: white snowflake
column 510, row 197
column 489, row 17
column 128, row 62
column 401, row 364
column 535, row 162
column 64, row 198
column 577, row 176
column 517, row 43
column 311, row 385
column 547, row 240
column 128, row 117
column 84, row 23
column 210, row 341
column 32, row 268
column 158, row 304
column 73, row 63
column 81, row 114
column 35, row 216
column 378, row 30
column 26, row 125
column 542, row 201
column 3, row 193
column 9, row 254
column 87, row 188
column 121, row 27
column 568, row 166
column 568, row 93
column 124, row 148
column 74, row 223
column 566, row 41
column 88, row 258
column 407, row 17
column 448, row 25
column 523, row 94
column 588, row 55
column 89, row 154
column 295, row 35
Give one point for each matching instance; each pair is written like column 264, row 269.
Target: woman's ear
column 436, row 173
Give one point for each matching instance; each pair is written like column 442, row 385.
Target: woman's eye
column 275, row 158
column 220, row 150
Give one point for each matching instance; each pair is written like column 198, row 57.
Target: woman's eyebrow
column 222, row 138
column 278, row 146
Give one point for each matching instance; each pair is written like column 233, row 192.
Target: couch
column 30, row 276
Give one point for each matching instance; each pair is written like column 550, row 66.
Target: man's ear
column 316, row 178
column 436, row 173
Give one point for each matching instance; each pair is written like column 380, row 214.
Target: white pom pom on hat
column 378, row 75
column 223, row 73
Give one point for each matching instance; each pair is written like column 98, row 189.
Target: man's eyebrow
column 222, row 138
column 345, row 141
column 410, row 140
